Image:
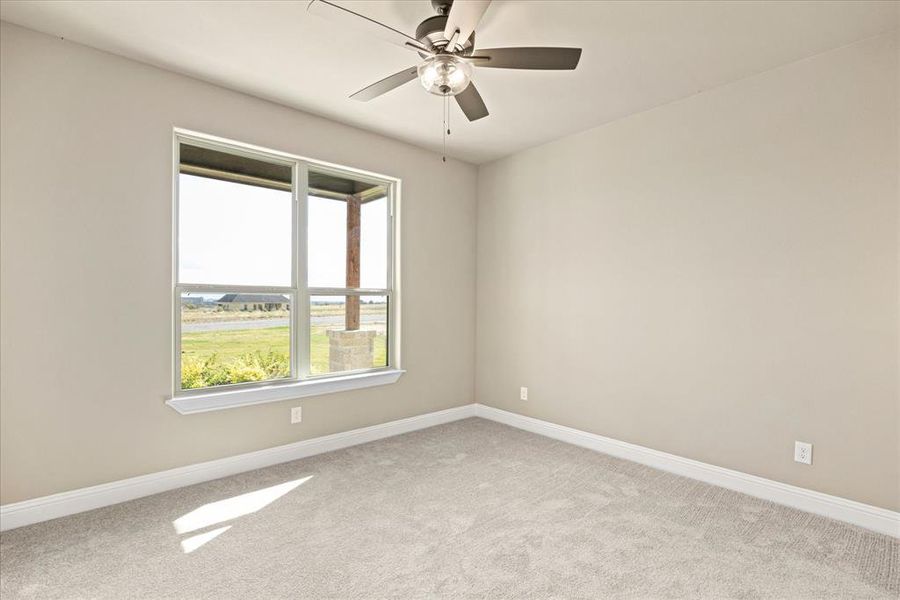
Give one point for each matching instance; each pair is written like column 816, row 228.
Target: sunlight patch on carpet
column 232, row 508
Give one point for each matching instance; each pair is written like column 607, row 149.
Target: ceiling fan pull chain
column 444, row 128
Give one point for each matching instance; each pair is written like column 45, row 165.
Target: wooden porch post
column 353, row 249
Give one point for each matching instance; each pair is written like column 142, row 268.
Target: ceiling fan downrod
column 442, row 7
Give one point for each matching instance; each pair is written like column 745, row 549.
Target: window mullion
column 393, row 325
column 302, row 321
column 222, row 287
column 342, row 291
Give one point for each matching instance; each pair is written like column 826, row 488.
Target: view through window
column 247, row 313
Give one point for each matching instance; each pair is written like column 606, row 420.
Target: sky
column 232, row 233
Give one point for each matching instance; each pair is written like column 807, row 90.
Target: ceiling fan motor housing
column 431, row 33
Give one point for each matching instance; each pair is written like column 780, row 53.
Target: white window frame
column 300, row 383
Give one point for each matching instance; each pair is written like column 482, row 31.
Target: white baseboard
column 75, row 501
column 68, row 503
column 857, row 513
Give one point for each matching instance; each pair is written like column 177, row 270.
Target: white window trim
column 275, row 392
column 301, row 384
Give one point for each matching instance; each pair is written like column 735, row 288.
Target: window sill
column 196, row 403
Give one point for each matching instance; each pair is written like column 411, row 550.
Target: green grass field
column 233, row 349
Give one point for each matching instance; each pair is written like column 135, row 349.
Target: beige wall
column 85, row 211
column 714, row 278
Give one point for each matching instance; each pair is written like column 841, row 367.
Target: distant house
column 195, row 301
column 253, row 302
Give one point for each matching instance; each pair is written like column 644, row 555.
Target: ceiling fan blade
column 527, row 58
column 470, row 102
column 464, row 17
column 345, row 16
column 385, row 85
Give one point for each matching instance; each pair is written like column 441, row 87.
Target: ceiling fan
column 446, row 43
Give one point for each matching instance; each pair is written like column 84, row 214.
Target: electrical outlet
column 803, row 453
column 523, row 393
column 296, row 415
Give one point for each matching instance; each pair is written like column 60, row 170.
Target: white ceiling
column 637, row 55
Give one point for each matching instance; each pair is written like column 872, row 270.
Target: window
column 284, row 271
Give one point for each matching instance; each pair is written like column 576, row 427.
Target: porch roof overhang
column 205, row 162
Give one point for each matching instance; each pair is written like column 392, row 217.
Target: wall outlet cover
column 296, row 415
column 803, row 452
column 523, row 393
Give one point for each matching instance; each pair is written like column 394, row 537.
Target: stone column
column 350, row 350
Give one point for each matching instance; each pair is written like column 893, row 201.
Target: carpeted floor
column 472, row 509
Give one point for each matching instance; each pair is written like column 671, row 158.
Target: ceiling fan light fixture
column 445, row 74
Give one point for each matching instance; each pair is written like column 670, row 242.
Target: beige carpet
column 472, row 509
